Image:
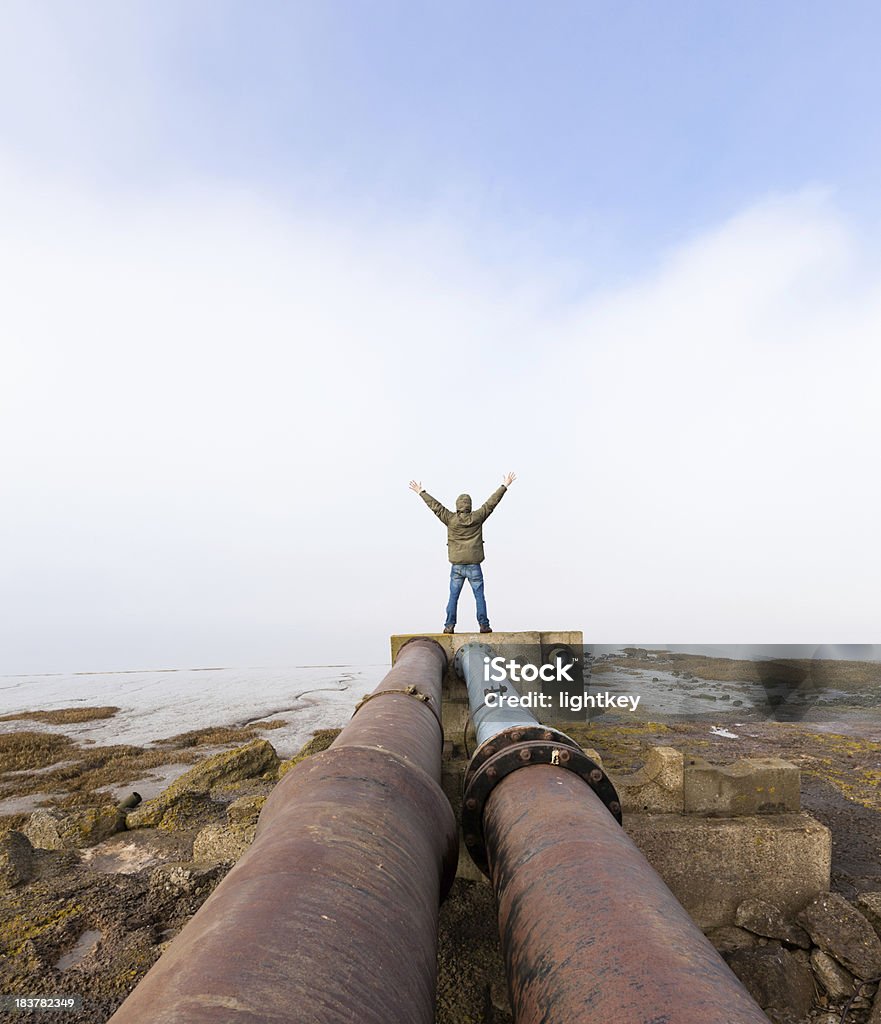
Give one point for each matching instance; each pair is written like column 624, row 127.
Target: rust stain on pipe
column 331, row 915
column 590, row 932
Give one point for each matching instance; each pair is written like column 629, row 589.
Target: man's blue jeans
column 458, row 575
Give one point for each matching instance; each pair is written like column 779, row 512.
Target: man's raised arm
column 444, row 514
column 486, row 508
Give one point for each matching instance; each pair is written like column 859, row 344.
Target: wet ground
column 93, row 921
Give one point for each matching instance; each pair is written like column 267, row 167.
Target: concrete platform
column 532, row 644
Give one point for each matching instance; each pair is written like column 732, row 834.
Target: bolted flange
column 517, row 734
column 507, row 756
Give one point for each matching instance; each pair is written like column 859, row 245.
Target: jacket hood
column 463, row 503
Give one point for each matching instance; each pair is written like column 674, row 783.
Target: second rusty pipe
column 589, row 930
column 331, row 916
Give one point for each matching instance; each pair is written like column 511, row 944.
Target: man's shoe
column 486, row 629
column 449, row 629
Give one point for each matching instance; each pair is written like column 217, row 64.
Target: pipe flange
column 516, row 734
column 522, row 755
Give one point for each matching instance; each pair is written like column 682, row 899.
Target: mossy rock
column 321, row 740
column 58, row 830
column 192, row 810
column 222, row 844
column 185, row 877
column 33, row 922
column 245, row 762
column 246, row 810
column 243, row 787
column 16, row 860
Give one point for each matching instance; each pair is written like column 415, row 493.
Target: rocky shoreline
column 127, row 880
column 92, row 895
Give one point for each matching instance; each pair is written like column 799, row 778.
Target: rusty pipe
column 331, row 915
column 590, row 932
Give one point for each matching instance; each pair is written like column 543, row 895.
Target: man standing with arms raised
column 465, row 546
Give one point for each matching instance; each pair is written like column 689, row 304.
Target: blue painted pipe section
column 472, row 665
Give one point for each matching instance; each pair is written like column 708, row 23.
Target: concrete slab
column 713, row 864
column 755, row 785
column 507, row 644
column 669, row 782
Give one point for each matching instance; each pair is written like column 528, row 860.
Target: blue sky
column 265, row 263
column 606, row 131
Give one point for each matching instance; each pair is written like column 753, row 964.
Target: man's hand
column 508, row 480
column 418, row 488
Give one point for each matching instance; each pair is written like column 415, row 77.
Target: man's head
column 463, row 503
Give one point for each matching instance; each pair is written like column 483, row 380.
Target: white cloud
column 732, row 414
column 211, row 406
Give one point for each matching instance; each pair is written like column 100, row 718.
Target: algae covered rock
column 246, row 810
column 321, row 740
column 185, row 877
column 44, row 829
column 245, row 762
column 221, row 844
column 71, row 830
column 16, row 860
column 191, row 811
column 257, row 786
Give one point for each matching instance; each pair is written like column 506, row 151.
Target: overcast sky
column 260, row 265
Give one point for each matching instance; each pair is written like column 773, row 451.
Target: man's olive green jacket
column 464, row 527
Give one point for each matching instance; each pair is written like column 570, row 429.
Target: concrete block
column 757, row 785
column 657, row 787
column 713, row 864
column 506, row 644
